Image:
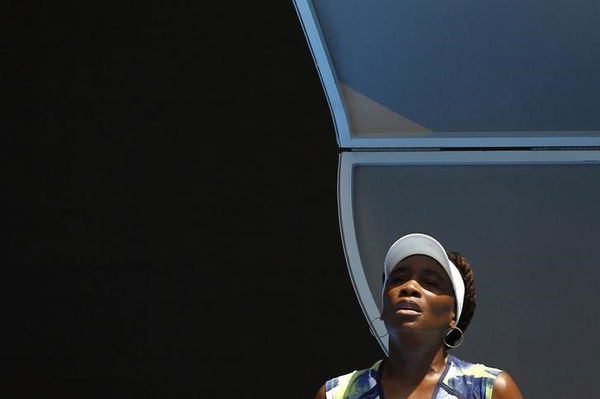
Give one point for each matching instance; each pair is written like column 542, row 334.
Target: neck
column 415, row 361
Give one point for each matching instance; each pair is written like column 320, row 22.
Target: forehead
column 421, row 263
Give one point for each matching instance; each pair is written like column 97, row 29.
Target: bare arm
column 321, row 393
column 505, row 387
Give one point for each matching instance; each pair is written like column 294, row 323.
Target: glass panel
column 529, row 224
column 462, row 69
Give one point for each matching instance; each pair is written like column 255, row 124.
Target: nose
column 410, row 288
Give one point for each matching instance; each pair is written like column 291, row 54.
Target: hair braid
column 469, row 303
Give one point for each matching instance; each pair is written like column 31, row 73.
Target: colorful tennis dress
column 459, row 380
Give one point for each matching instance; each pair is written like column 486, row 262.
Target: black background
column 172, row 221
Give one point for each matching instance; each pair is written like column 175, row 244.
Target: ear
column 452, row 317
column 452, row 322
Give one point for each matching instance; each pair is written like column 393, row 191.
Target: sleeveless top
column 459, row 380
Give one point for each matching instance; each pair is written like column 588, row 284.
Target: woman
column 428, row 302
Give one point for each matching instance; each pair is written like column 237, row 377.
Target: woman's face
column 419, row 295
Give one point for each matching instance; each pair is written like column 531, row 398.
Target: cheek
column 442, row 307
column 387, row 298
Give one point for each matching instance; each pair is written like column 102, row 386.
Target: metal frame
column 329, row 80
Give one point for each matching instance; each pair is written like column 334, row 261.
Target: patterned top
column 459, row 380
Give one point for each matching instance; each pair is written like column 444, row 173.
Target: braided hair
column 469, row 303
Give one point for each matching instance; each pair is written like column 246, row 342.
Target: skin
column 416, row 358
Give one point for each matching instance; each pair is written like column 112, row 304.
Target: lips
column 408, row 305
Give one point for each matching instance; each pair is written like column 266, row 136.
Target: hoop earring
column 458, row 342
column 373, row 333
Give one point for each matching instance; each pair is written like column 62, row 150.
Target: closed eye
column 397, row 279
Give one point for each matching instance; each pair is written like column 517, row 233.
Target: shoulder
column 321, row 393
column 475, row 370
column 470, row 379
column 483, row 380
column 347, row 385
column 506, row 388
